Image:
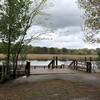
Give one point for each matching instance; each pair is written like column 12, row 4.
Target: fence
column 3, row 73
column 81, row 65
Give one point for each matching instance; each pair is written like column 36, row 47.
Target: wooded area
column 29, row 49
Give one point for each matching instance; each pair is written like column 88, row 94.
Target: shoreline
column 50, row 56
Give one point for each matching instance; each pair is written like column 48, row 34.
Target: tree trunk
column 8, row 55
column 16, row 60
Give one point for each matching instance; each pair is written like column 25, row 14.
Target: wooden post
column 85, row 59
column 56, row 62
column 88, row 67
column 34, row 67
column 52, row 64
column 74, row 64
column 49, row 66
column 27, row 68
column 90, row 59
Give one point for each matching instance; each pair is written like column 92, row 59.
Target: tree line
column 45, row 50
column 29, row 49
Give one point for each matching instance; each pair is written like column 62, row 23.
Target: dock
column 40, row 70
column 51, row 68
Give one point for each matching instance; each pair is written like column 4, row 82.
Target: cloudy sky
column 61, row 26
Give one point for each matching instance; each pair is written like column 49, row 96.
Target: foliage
column 29, row 49
column 16, row 17
column 45, row 50
column 92, row 18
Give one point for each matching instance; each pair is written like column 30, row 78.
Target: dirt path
column 93, row 78
column 52, row 89
column 70, row 86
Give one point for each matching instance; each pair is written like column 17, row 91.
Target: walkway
column 64, row 74
column 42, row 71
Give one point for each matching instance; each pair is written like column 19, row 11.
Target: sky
column 60, row 25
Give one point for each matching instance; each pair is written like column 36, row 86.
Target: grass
column 37, row 93
column 60, row 56
column 50, row 56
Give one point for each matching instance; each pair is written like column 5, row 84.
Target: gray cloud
column 63, row 14
column 68, row 30
column 63, row 18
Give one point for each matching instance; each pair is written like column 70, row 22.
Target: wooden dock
column 46, row 71
column 51, row 68
column 81, row 65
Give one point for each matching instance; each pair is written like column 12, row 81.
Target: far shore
column 50, row 56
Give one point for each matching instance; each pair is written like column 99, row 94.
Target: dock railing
column 51, row 64
column 81, row 65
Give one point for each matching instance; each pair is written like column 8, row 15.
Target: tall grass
column 50, row 56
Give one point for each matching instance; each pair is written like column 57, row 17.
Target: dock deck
column 42, row 70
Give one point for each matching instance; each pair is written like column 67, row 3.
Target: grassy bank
column 50, row 56
column 60, row 56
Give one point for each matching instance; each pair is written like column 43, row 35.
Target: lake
column 35, row 62
column 95, row 64
column 38, row 62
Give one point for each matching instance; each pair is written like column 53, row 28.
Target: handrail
column 79, row 65
column 51, row 64
column 71, row 64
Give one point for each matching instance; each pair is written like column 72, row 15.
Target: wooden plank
column 81, row 67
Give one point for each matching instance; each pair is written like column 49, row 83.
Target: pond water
column 95, row 64
column 36, row 62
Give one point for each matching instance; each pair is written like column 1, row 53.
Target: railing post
column 56, row 62
column 76, row 65
column 85, row 59
column 51, row 64
column 27, row 68
column 88, row 64
column 53, row 61
column 90, row 59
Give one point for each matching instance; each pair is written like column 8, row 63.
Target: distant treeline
column 44, row 50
